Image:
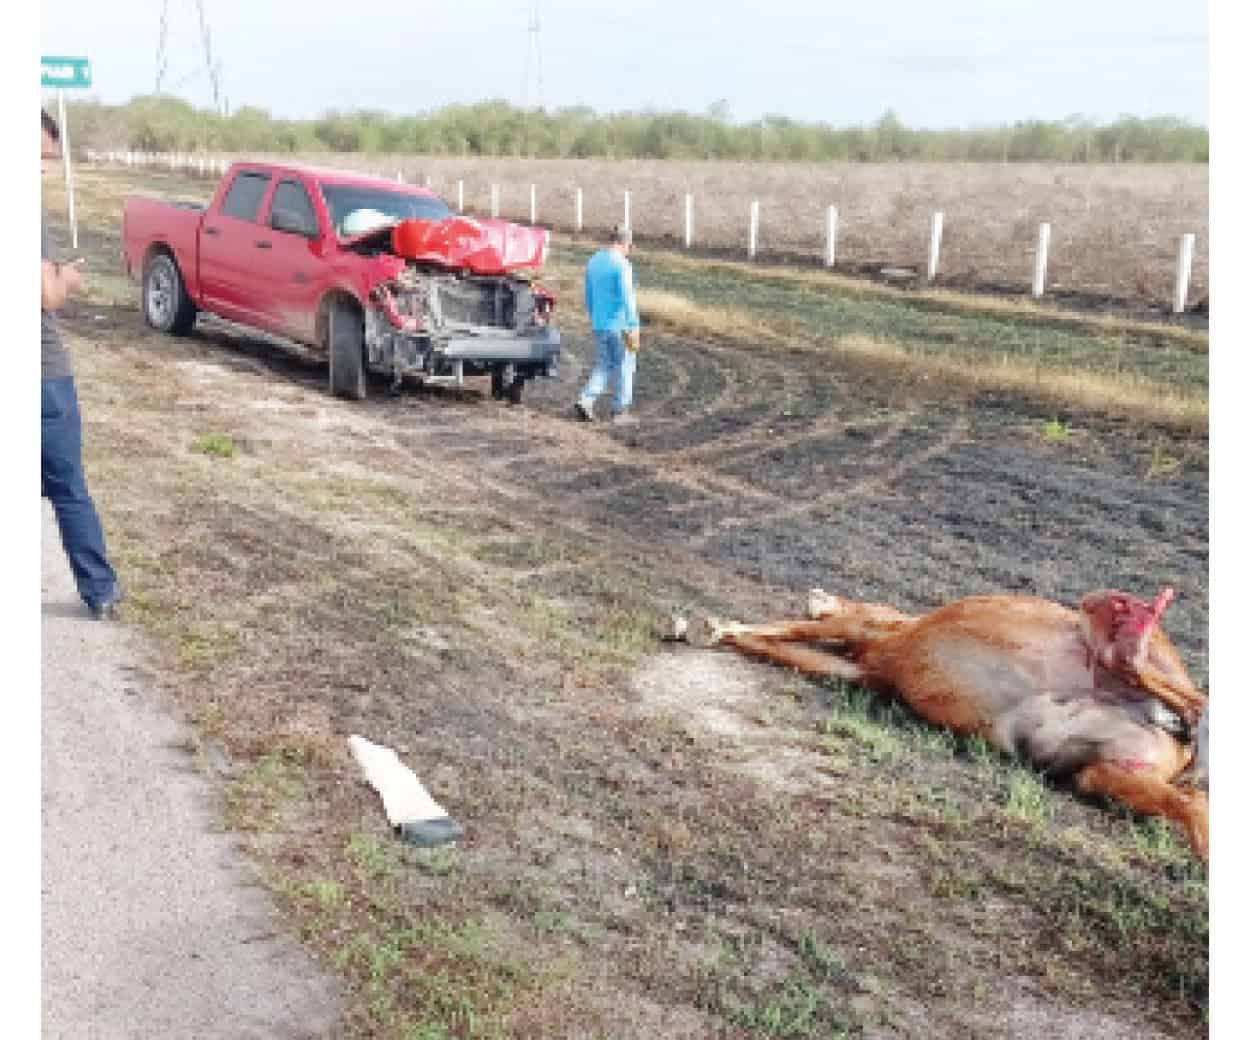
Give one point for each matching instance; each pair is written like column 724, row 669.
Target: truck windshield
column 355, row 210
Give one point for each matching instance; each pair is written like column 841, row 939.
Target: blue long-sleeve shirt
column 609, row 296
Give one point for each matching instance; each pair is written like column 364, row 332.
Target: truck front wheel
column 346, row 350
column 166, row 305
column 506, row 385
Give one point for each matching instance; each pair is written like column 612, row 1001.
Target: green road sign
column 66, row 72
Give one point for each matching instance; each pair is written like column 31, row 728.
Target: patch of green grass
column 528, row 552
column 1055, row 431
column 218, row 445
column 1027, row 796
column 856, row 720
column 796, row 1011
column 327, row 895
column 205, row 645
column 254, row 799
column 822, row 961
column 1161, row 464
column 376, row 858
column 440, row 861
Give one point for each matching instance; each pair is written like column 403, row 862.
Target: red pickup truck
column 380, row 276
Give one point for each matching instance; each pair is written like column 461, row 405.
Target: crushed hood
column 487, row 246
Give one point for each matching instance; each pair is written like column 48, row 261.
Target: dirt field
column 1115, row 229
column 660, row 841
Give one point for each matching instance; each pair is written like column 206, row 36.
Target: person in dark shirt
column 64, row 482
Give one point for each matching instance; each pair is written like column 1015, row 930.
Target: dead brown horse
column 1099, row 694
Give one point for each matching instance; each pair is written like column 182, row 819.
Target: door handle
column 211, row 231
column 300, row 277
column 264, row 245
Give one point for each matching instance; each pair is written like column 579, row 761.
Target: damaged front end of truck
column 460, row 302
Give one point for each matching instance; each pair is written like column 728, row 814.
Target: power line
column 210, row 67
column 533, row 56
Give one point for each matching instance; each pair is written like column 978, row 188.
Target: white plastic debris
column 412, row 812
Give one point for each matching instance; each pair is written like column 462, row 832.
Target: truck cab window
column 293, row 197
column 242, row 201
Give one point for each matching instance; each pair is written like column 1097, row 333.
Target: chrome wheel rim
column 160, row 293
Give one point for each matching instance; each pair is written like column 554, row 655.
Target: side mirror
column 295, row 223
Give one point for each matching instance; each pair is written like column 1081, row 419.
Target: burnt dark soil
column 660, row 841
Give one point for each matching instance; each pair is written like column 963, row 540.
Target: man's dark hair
column 49, row 125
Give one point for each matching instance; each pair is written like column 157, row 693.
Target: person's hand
column 71, row 276
column 632, row 339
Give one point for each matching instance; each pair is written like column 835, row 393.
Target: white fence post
column 533, row 204
column 934, row 244
column 830, row 236
column 459, row 195
column 752, row 238
column 429, row 181
column 689, row 220
column 628, row 219
column 494, row 200
column 579, row 211
column 399, row 176
column 1042, row 259
column 1183, row 271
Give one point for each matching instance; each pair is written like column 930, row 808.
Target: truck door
column 292, row 276
column 229, row 254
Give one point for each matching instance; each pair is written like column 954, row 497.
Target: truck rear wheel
column 166, row 305
column 346, row 350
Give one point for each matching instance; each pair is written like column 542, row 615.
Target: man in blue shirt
column 613, row 310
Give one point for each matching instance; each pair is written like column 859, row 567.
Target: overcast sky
column 949, row 64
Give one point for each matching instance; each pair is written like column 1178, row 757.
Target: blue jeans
column 614, row 359
column 65, row 484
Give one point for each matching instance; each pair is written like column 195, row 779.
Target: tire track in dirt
column 835, row 498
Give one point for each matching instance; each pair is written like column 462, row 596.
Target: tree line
column 497, row 128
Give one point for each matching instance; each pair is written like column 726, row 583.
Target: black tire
column 509, row 392
column 348, row 377
column 166, row 305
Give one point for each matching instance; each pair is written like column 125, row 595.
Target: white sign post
column 74, row 73
column 69, row 168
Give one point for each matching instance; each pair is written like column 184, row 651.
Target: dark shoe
column 624, row 419
column 107, row 610
column 582, row 412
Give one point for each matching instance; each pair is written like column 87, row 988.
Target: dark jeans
column 65, row 484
